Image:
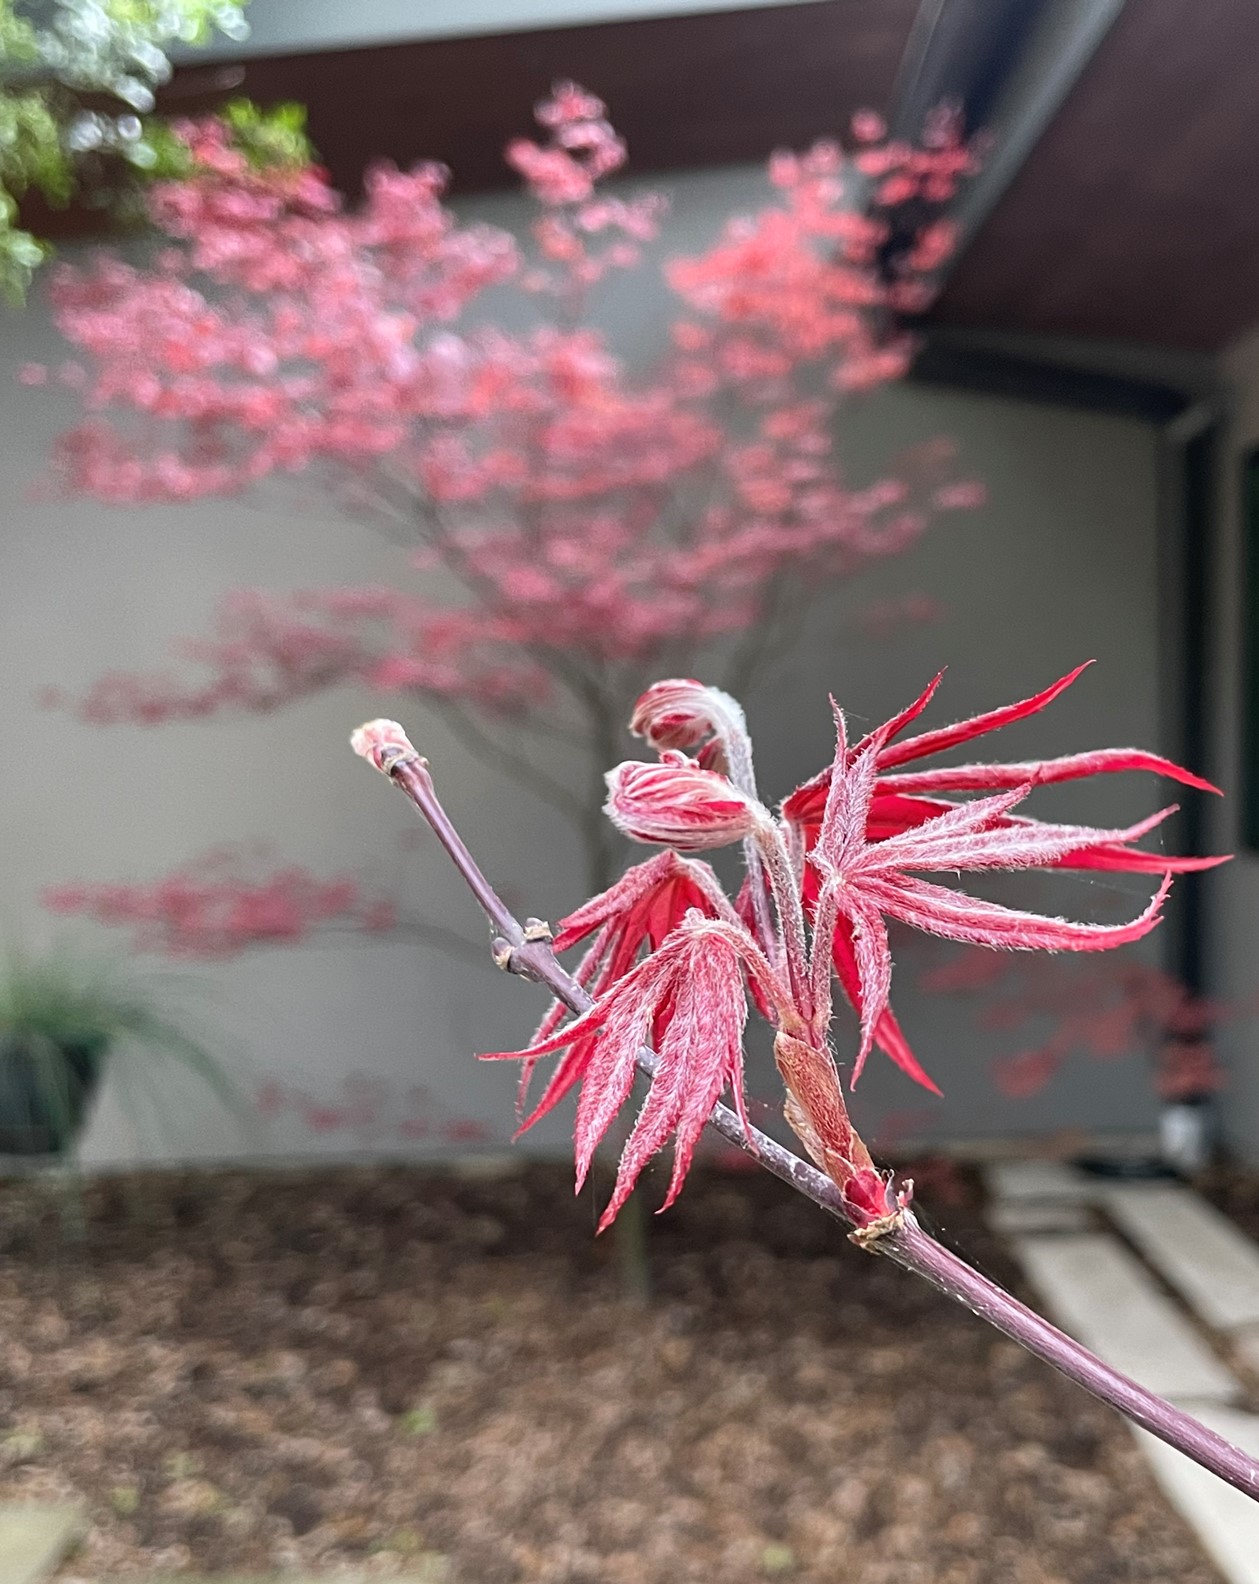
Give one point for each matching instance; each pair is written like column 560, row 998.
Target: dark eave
column 1124, row 209
column 1136, row 216
column 686, row 91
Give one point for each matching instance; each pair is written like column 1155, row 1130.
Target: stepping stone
column 1246, row 1341
column 1226, row 1521
column 1017, row 1217
column 1101, row 1294
column 1209, row 1261
column 35, row 1536
column 1039, row 1179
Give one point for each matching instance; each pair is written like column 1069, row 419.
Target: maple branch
column 490, row 751
column 763, row 639
column 438, row 937
column 525, row 950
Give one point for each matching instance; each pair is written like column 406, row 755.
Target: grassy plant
column 62, row 1017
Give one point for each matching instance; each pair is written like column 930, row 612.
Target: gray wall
column 1059, row 567
column 1233, row 953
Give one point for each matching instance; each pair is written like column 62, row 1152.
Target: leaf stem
column 777, row 861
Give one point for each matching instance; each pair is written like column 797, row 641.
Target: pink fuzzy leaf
column 1126, row 860
column 701, row 1051
column 683, row 713
column 689, row 999
column 964, row 838
column 955, row 916
column 649, row 898
column 873, row 958
column 978, row 725
column 894, row 727
column 867, row 841
column 1042, row 772
column 678, row 803
column 888, row 1034
column 638, row 912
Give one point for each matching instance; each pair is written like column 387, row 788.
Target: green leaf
column 124, row 1499
column 160, row 153
column 31, row 152
column 21, row 254
column 52, row 58
column 270, row 137
column 62, row 1003
column 19, row 44
column 421, row 1421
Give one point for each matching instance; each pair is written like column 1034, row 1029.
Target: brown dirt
column 1236, row 1193
column 393, row 1371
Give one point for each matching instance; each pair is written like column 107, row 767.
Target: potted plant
column 60, row 1019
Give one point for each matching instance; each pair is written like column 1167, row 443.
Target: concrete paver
column 1210, row 1261
column 1039, row 1179
column 35, row 1536
column 1100, row 1293
column 1226, row 1521
column 1016, row 1217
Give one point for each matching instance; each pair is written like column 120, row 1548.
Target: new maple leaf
column 846, row 855
column 689, row 1002
column 680, row 803
column 638, row 912
column 897, row 805
column 864, row 880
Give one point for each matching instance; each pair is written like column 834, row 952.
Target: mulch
column 1236, row 1193
column 398, row 1371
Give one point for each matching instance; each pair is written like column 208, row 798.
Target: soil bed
column 1236, row 1193
column 394, row 1371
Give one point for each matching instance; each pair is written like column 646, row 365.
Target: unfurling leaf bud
column 683, row 713
column 680, row 805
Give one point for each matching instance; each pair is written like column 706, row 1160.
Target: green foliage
column 19, row 43
column 115, row 47
column 269, row 138
column 61, row 1017
column 125, row 1500
column 31, row 152
column 187, row 21
column 777, row 1559
column 162, row 154
column 421, row 1421
column 31, row 155
column 20, row 253
column 52, row 55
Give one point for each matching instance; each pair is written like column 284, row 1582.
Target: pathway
column 1160, row 1284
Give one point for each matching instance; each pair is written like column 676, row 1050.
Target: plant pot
column 45, row 1091
column 1186, row 1130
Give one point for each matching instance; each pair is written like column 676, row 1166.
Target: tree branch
column 515, row 765
column 525, row 950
